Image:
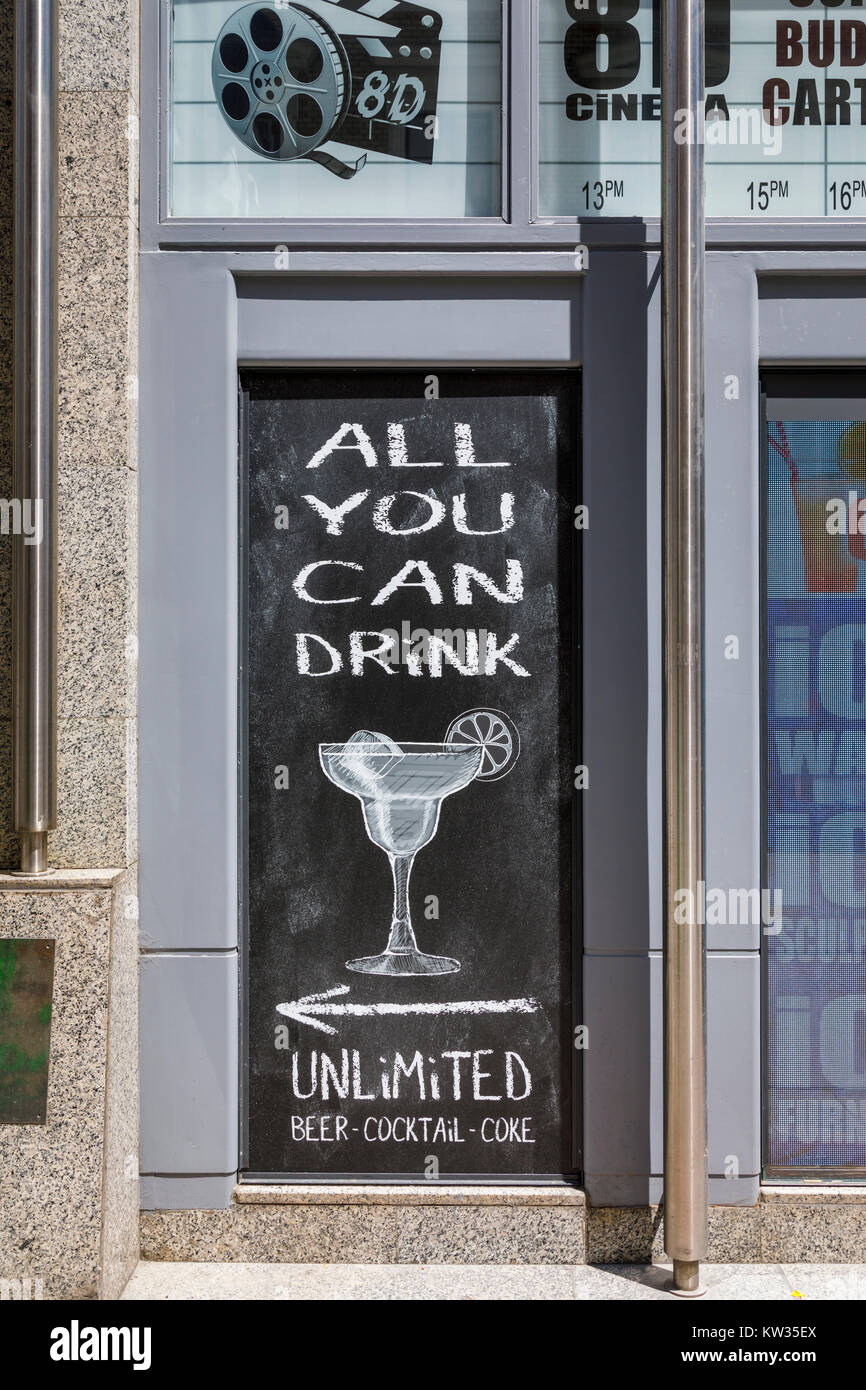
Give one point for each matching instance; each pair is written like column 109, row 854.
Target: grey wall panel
column 621, row 598
column 812, row 318
column 188, row 605
column 734, row 1192
column 623, row 1078
column 654, row 752
column 180, row 1192
column 373, row 319
column 624, row 1191
column 733, row 592
column 734, row 1067
column 622, row 740
column 189, row 1063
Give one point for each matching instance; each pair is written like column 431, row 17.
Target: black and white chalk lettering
column 409, row 657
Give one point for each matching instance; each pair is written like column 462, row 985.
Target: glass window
column 381, row 109
column 816, row 789
column 786, row 109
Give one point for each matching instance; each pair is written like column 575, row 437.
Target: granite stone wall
column 98, row 183
column 69, row 1188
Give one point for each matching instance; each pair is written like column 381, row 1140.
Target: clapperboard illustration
column 319, row 80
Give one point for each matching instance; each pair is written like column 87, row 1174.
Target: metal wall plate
column 26, row 984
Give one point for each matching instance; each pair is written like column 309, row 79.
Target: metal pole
column 685, row 1088
column 34, row 575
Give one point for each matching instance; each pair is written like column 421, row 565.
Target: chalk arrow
column 310, row 1009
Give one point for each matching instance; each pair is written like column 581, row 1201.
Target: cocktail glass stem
column 402, row 936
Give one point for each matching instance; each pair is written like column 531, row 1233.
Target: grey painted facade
column 212, row 300
column 203, row 313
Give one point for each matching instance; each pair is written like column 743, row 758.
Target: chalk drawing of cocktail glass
column 401, row 787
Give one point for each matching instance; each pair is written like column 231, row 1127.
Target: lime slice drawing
column 496, row 734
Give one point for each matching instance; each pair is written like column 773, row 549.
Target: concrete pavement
column 730, row 1283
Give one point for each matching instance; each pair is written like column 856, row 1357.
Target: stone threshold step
column 406, row 1195
column 59, row 880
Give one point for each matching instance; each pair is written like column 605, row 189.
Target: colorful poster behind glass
column 335, row 108
column 816, row 792
column 786, row 108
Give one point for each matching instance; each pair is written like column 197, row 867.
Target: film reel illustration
column 289, row 78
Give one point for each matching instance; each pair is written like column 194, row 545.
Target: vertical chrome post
column 35, row 428
column 685, row 1121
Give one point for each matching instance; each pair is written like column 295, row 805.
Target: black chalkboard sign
column 409, row 686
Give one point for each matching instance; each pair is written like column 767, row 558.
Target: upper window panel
column 786, row 108
column 357, row 109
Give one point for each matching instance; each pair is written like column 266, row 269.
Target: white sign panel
column 785, row 134
column 335, row 109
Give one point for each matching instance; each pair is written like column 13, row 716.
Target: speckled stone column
column 68, row 1189
column 97, row 485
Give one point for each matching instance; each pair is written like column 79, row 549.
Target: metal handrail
column 34, row 575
